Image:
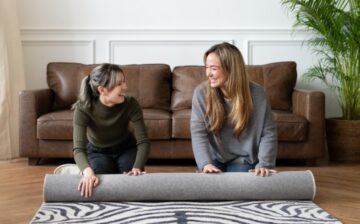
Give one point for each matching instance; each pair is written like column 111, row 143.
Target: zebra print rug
column 278, row 212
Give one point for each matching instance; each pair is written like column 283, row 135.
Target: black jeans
column 113, row 160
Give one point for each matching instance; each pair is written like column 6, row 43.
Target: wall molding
column 114, row 43
column 254, row 43
column 107, row 39
column 88, row 43
column 59, row 42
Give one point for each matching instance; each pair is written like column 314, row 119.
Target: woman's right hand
column 209, row 168
column 88, row 182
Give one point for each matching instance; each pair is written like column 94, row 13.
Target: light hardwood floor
column 337, row 192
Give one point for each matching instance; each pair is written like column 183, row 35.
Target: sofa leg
column 310, row 162
column 33, row 161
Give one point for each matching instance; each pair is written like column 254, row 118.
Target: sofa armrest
column 33, row 104
column 311, row 105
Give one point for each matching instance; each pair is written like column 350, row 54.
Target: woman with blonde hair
column 232, row 128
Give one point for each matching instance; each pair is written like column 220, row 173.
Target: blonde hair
column 237, row 88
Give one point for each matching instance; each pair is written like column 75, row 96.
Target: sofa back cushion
column 148, row 83
column 64, row 80
column 278, row 80
column 184, row 81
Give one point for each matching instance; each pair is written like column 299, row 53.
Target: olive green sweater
column 105, row 126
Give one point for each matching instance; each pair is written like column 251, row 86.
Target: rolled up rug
column 290, row 185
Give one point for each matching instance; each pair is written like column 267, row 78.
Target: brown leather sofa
column 165, row 96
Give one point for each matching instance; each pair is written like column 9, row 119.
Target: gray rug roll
column 290, row 185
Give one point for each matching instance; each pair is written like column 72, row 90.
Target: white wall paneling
column 172, row 52
column 38, row 53
column 267, row 51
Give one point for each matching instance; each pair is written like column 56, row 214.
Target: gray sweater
column 256, row 144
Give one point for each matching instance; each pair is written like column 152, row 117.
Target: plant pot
column 343, row 139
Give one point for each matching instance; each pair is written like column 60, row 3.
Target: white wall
column 175, row 32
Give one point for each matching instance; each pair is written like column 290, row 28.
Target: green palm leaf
column 335, row 25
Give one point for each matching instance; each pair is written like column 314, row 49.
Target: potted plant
column 335, row 25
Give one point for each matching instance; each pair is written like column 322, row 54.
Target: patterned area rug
column 184, row 212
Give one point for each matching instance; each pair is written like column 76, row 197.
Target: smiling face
column 214, row 71
column 115, row 95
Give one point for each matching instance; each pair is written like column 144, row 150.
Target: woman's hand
column 134, row 172
column 88, row 182
column 209, row 168
column 263, row 172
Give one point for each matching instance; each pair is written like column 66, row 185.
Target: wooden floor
column 338, row 187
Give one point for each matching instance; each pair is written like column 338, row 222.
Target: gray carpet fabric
column 289, row 185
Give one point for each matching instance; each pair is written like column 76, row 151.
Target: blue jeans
column 113, row 160
column 233, row 166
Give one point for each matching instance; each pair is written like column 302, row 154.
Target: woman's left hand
column 263, row 172
column 134, row 172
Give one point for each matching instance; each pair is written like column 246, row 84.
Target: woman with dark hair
column 232, row 128
column 103, row 143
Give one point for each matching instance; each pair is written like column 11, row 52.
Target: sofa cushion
column 278, row 80
column 184, row 81
column 59, row 125
column 181, row 124
column 158, row 124
column 64, row 80
column 148, row 83
column 291, row 127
